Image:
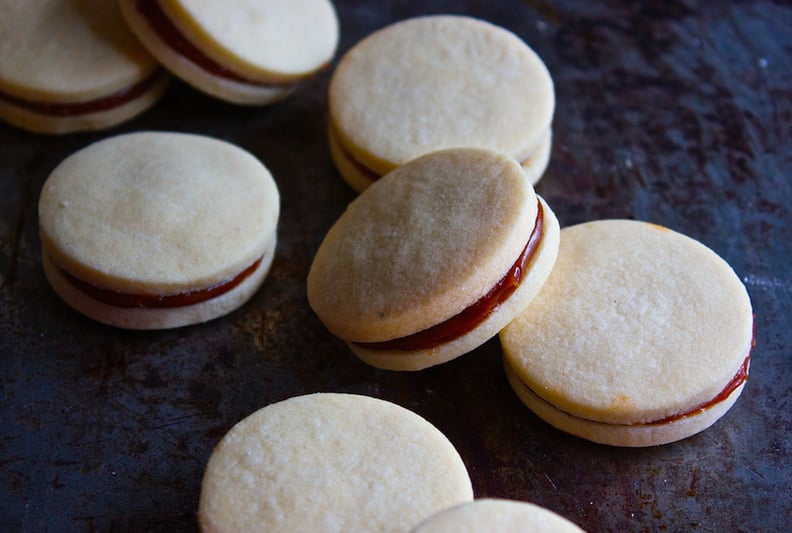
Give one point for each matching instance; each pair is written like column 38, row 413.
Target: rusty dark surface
column 675, row 112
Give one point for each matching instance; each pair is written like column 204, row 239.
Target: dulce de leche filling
column 167, row 31
column 475, row 314
column 159, row 301
column 738, row 379
column 96, row 105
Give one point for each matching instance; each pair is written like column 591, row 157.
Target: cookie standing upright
column 247, row 52
column 433, row 259
column 330, row 462
column 70, row 66
column 158, row 230
column 436, row 82
column 640, row 336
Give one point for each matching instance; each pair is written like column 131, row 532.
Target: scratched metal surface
column 674, row 112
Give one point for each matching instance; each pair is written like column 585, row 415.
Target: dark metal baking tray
column 673, row 112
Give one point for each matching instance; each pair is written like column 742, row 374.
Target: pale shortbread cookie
column 640, row 336
column 330, row 462
column 436, row 82
column 158, row 215
column 71, row 66
column 422, row 245
column 497, row 516
column 258, row 49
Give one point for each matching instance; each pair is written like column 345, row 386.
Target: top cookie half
column 269, row 40
column 438, row 82
column 57, row 51
column 422, row 244
column 246, row 52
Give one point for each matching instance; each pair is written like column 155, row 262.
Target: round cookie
column 435, row 82
column 249, row 52
column 158, row 230
column 497, row 516
column 640, row 336
column 433, row 259
column 72, row 66
column 330, row 462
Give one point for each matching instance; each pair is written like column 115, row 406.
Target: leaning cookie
column 330, row 462
column 436, row 82
column 497, row 516
column 433, row 259
column 158, row 230
column 72, row 66
column 640, row 336
column 248, row 52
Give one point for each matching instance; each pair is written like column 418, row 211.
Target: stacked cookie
column 640, row 336
column 158, row 230
column 253, row 52
column 74, row 66
column 436, row 82
column 621, row 332
column 434, row 259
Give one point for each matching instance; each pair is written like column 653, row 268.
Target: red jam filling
column 176, row 40
column 158, row 301
column 473, row 315
column 105, row 103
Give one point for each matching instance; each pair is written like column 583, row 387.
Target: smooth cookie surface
column 439, row 82
column 330, row 462
column 159, row 213
column 422, row 244
column 636, row 323
column 65, row 51
column 270, row 39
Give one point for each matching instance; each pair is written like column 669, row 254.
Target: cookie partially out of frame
column 72, row 66
column 330, row 462
column 158, row 230
column 495, row 515
column 433, row 259
column 640, row 336
column 436, row 82
column 244, row 52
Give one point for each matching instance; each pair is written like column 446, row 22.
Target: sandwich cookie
column 158, row 230
column 70, row 66
column 249, row 52
column 433, row 259
column 330, row 462
column 436, row 82
column 640, row 336
column 497, row 516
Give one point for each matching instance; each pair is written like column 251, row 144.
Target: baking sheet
column 676, row 112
